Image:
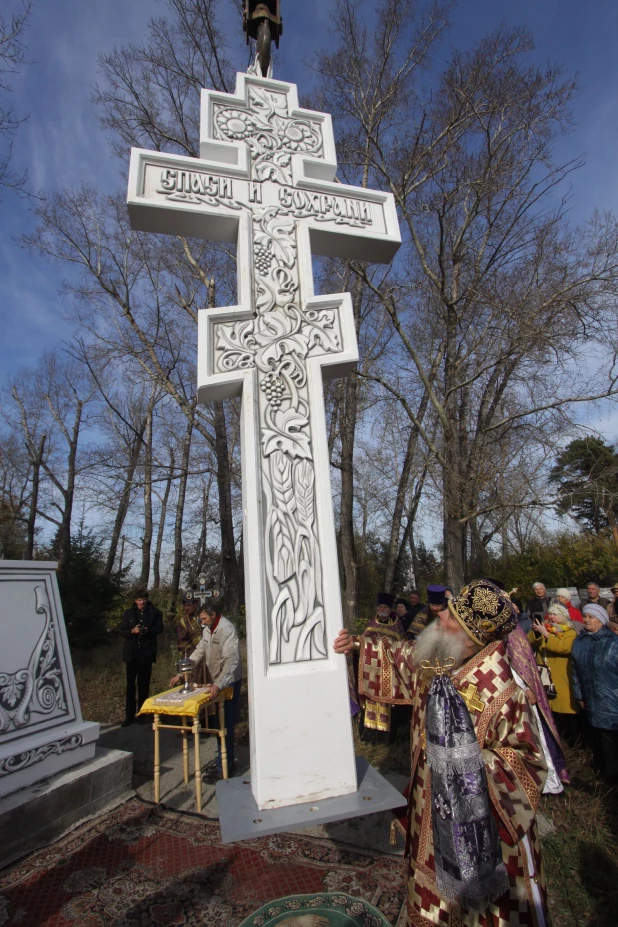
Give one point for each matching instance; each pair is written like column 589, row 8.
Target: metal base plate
column 240, row 817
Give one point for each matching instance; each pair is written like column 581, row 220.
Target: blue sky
column 62, row 145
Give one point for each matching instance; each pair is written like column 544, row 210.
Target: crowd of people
column 489, row 689
column 575, row 654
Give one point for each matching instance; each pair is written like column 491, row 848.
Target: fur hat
column 556, row 609
column 484, row 611
column 597, row 611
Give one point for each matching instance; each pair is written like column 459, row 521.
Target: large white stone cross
column 265, row 181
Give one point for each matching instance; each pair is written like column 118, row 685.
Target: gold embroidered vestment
column 508, row 737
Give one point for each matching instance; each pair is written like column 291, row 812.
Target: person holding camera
column 141, row 625
column 552, row 640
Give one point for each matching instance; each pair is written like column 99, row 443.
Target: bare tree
column 12, row 57
column 50, row 409
column 16, row 495
column 492, row 295
column 164, row 500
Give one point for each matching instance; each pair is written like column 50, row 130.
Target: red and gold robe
column 377, row 715
column 508, row 737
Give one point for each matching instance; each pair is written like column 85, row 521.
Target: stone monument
column 266, row 182
column 49, row 775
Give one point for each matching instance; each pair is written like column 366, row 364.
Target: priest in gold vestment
column 478, row 767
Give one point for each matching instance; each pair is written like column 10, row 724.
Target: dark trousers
column 604, row 745
column 230, row 709
column 570, row 727
column 140, row 673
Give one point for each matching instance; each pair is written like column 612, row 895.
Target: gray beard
column 434, row 644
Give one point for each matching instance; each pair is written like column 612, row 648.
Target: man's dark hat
column 436, row 595
column 385, row 598
column 484, row 611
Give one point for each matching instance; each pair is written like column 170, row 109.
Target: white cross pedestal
column 265, row 181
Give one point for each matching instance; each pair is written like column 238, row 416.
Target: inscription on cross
column 266, row 181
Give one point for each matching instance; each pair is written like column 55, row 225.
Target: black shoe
column 127, row 722
column 214, row 775
column 211, row 776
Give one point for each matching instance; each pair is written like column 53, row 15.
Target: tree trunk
column 229, row 563
column 125, row 498
column 611, row 518
column 64, row 531
column 414, row 556
column 229, row 571
column 156, row 563
column 200, row 547
column 348, row 432
column 407, row 534
column 393, row 548
column 180, row 510
column 34, row 498
column 454, row 554
column 147, row 536
column 454, row 532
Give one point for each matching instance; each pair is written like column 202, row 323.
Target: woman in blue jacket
column 595, row 685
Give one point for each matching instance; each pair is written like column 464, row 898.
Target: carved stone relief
column 34, row 755
column 38, row 688
column 278, row 342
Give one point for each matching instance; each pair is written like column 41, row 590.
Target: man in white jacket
column 219, row 648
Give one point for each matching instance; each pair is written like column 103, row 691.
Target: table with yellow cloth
column 172, row 702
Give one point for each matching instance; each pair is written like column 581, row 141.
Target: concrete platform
column 370, row 832
column 41, row 813
column 240, row 817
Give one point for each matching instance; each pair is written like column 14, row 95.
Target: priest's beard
column 436, row 644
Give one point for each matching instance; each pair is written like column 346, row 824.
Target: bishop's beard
column 436, row 644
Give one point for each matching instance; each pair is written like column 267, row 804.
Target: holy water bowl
column 185, row 667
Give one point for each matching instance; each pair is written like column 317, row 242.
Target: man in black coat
column 141, row 624
column 536, row 607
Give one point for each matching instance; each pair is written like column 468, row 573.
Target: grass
column 580, row 857
column 101, row 679
column 101, row 682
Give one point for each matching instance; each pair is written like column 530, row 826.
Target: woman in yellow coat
column 552, row 640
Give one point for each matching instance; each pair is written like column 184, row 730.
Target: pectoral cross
column 470, row 698
column 265, row 181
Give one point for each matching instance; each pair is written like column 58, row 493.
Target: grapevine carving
column 39, row 687
column 278, row 343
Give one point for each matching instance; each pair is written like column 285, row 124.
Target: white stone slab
column 266, row 181
column 41, row 727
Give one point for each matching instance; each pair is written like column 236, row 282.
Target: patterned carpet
column 142, row 866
